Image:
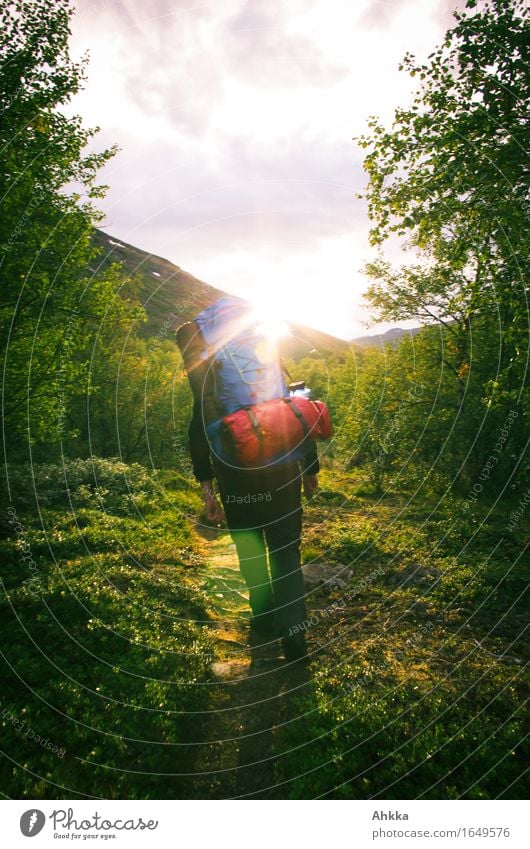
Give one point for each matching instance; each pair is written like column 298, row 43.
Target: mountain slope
column 169, row 293
column 166, row 291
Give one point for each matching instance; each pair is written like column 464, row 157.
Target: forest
column 127, row 671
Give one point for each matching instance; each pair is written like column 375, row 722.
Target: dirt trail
column 255, row 692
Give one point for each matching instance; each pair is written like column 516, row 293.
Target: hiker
column 261, row 502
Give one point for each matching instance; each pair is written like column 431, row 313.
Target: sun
column 268, row 322
column 273, row 329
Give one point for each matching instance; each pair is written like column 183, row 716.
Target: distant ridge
column 379, row 340
column 169, row 293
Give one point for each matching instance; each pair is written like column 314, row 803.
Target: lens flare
column 268, row 323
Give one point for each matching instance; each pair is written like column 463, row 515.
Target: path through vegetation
column 416, row 649
column 125, row 627
column 255, row 691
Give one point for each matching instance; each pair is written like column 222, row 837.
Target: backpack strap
column 298, row 415
column 255, row 426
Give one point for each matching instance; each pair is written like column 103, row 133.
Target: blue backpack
column 246, row 365
column 239, row 368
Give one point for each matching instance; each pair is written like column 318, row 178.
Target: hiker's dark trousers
column 264, row 515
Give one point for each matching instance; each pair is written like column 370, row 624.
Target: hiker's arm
column 311, row 465
column 213, row 509
column 311, row 468
column 202, row 466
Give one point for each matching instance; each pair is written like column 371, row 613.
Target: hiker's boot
column 294, row 647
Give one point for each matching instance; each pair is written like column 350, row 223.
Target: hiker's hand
column 310, row 485
column 214, row 511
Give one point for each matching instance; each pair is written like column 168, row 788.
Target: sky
column 235, row 122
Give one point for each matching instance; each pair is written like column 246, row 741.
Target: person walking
column 261, row 504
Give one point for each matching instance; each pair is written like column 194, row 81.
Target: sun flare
column 269, row 323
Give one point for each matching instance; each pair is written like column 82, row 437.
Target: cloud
column 443, row 12
column 260, row 47
column 245, row 196
column 236, row 121
column 382, row 13
column 379, row 13
column 175, row 59
column 165, row 56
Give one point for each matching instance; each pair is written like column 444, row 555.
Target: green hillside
column 166, row 292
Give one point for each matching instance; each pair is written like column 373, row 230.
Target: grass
column 417, row 685
column 420, row 684
column 102, row 634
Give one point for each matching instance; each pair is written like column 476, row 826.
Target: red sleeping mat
column 267, row 431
